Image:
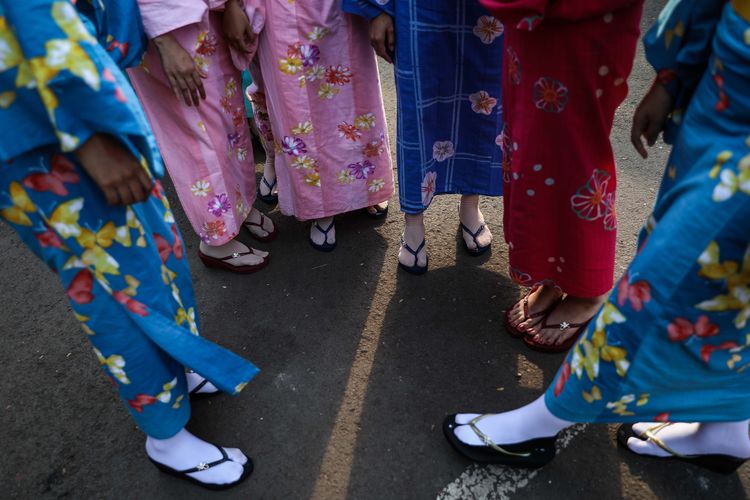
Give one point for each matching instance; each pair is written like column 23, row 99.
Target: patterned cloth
column 123, row 268
column 320, row 83
column 672, row 343
column 448, row 67
column 207, row 149
column 565, row 74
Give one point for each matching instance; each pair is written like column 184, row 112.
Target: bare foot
column 235, row 247
column 540, row 299
column 413, row 236
column 472, row 218
column 374, row 210
column 570, row 312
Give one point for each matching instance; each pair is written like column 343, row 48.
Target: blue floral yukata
column 448, row 66
column 123, row 268
column 672, row 341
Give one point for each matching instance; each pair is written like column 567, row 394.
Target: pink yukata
column 207, row 149
column 319, row 77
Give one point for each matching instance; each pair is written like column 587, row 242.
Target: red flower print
column 562, row 379
column 226, row 104
column 49, row 238
column 238, row 118
column 681, row 329
column 123, row 47
column 140, row 401
column 637, row 293
column 349, row 131
column 158, row 190
column 550, row 95
column 207, row 43
column 662, row 417
column 132, row 305
column 589, row 200
column 338, row 75
column 62, row 172
column 294, row 50
column 707, row 350
column 610, row 212
column 514, row 66
column 177, row 245
column 666, row 76
column 373, row 148
column 79, row 290
column 214, row 229
column 165, row 249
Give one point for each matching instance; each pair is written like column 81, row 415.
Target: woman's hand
column 237, row 28
column 184, row 77
column 650, row 117
column 115, row 170
column 383, row 36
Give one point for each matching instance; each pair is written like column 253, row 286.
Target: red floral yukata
column 566, row 68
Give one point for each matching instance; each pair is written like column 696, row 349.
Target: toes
column 643, row 447
column 260, row 253
column 467, row 436
column 640, row 428
column 236, row 455
column 465, row 418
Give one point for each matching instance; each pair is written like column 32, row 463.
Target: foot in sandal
column 233, row 256
column 260, row 226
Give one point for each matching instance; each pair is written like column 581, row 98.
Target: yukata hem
column 416, row 209
column 168, row 425
column 570, row 285
column 322, row 214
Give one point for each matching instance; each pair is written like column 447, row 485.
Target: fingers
column 111, row 195
column 391, row 39
column 146, row 182
column 652, row 131
column 174, row 86
column 378, row 43
column 125, row 195
column 640, row 122
column 198, row 82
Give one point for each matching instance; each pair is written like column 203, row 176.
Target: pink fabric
column 321, row 85
column 207, row 150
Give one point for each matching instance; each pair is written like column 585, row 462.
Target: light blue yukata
column 123, row 268
column 672, row 343
column 448, row 67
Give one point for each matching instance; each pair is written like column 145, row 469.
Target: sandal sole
column 247, row 472
column 219, row 264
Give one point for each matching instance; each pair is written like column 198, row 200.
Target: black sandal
column 722, row 464
column 479, row 250
column 416, row 269
column 325, row 247
column 270, row 198
column 530, row 454
column 183, row 474
column 267, row 238
column 379, row 213
column 195, row 395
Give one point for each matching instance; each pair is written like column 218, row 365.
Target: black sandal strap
column 270, row 186
column 207, row 465
column 473, row 234
column 409, row 249
column 200, row 386
column 235, row 255
column 325, row 231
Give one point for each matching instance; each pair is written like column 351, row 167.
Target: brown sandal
column 564, row 327
column 221, row 263
column 514, row 331
column 265, row 239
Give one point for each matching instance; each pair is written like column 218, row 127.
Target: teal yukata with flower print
column 123, row 268
column 448, row 68
column 672, row 343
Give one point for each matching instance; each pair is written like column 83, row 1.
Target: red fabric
column 565, row 74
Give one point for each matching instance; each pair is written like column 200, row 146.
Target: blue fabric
column 441, row 64
column 673, row 340
column 123, row 268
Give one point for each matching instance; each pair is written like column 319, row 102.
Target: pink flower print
column 589, row 201
column 219, row 205
column 488, row 28
column 214, row 230
column 361, row 170
column 550, row 95
column 294, row 50
column 482, row 102
column 374, row 148
column 293, row 146
column 206, row 44
column 637, row 293
column 349, row 131
column 610, row 212
column 442, row 150
column 681, row 329
column 514, row 66
column 429, row 186
column 506, row 146
column 309, row 55
column 338, row 75
column 238, row 118
column 520, row 277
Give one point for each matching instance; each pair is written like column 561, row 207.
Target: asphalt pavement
column 360, row 363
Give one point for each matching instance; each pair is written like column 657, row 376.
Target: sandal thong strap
column 270, row 186
column 409, row 249
column 200, row 386
column 488, row 442
column 650, row 435
column 258, row 224
column 235, row 255
column 324, row 231
column 207, row 465
column 475, row 234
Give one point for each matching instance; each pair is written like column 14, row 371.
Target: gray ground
column 360, row 364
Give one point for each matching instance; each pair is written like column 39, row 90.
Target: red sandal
column 514, row 331
column 267, row 238
column 221, row 263
column 563, row 327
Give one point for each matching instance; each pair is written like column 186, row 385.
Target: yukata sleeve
column 523, row 14
column 369, row 9
column 59, row 69
column 678, row 46
column 162, row 16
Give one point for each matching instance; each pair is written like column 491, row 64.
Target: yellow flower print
column 345, row 177
column 105, row 236
column 303, row 128
column 318, row 33
column 290, row 65
column 365, row 122
column 188, row 316
column 166, row 395
column 304, row 162
column 620, row 407
column 737, row 279
column 721, row 159
column 66, row 17
column 65, row 218
column 590, row 351
column 230, row 89
column 22, row 205
column 375, row 185
column 594, row 395
column 239, row 387
column 132, row 222
column 10, row 52
column 177, row 401
column 7, row 98
column 312, row 179
column 83, row 319
column 327, row 91
column 317, row 72
column 115, row 364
